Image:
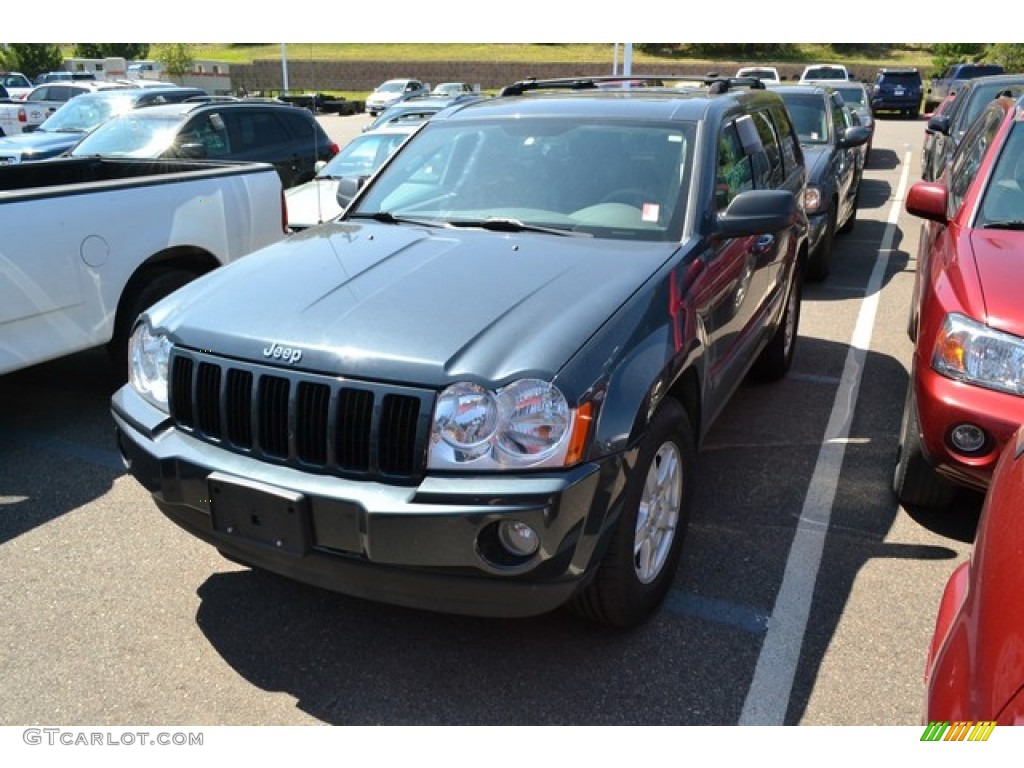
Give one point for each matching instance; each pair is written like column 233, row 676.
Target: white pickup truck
column 18, row 116
column 89, row 243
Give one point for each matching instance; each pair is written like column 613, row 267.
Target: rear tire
column 775, row 359
column 637, row 570
column 915, row 482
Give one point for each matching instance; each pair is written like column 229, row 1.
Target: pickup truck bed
column 90, row 242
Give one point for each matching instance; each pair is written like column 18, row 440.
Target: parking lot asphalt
column 806, row 595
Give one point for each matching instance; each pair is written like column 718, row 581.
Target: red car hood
column 999, row 258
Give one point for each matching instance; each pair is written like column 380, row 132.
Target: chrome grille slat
column 310, row 421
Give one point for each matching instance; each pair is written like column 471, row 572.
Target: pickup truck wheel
column 638, row 568
column 914, row 481
column 819, row 264
column 146, row 289
column 776, row 358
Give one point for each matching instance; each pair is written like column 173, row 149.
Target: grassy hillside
column 916, row 55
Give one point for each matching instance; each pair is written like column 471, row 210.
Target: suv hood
column 408, row 304
column 39, row 143
column 997, row 257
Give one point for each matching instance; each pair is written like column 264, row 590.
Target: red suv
column 966, row 393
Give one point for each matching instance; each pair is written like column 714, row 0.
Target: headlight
column 527, row 423
column 971, row 352
column 148, row 358
column 812, row 199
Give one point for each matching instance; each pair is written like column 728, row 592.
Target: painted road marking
column 768, row 697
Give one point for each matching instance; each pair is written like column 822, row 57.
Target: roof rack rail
column 713, row 81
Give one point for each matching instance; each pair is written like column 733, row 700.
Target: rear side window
column 968, row 157
column 253, row 130
column 789, row 144
column 298, row 125
column 735, row 172
column 768, row 163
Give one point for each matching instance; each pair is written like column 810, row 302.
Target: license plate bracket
column 261, row 514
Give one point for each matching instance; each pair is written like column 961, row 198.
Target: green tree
column 103, row 50
column 944, row 54
column 32, row 58
column 177, row 59
column 1010, row 55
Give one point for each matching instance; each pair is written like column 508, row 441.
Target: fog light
column 967, row 438
column 518, row 538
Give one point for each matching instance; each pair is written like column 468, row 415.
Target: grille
column 327, row 424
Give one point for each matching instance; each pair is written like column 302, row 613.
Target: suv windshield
column 809, row 117
column 825, row 73
column 854, row 96
column 623, row 180
column 82, row 114
column 131, row 135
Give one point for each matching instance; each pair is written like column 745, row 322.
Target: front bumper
column 430, row 545
column 942, row 404
column 894, row 103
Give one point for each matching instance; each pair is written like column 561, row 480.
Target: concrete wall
column 326, row 76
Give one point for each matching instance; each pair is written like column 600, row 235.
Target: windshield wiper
column 497, row 224
column 386, row 217
column 1013, row 224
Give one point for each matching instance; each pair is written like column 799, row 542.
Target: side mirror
column 757, row 212
column 928, row 200
column 348, row 188
column 939, row 124
column 855, row 136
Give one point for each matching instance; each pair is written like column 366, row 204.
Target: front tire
column 637, row 570
column 915, row 482
column 820, row 263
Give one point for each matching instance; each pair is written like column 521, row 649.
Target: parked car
column 43, row 100
column 416, row 109
column 928, row 144
column 15, row 84
column 949, row 127
column 68, row 124
column 834, row 167
column 61, row 76
column 288, row 137
column 966, row 391
column 450, row 90
column 318, row 200
column 828, row 73
column 393, row 91
column 482, row 388
column 89, row 244
column 855, row 96
column 767, row 75
column 952, row 78
column 975, row 670
column 897, row 90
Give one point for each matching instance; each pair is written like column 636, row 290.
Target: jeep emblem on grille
column 277, row 352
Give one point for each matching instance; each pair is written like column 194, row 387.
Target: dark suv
column 835, row 166
column 897, row 90
column 481, row 389
column 288, row 137
column 76, row 117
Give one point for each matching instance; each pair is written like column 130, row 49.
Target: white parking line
column 772, row 684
